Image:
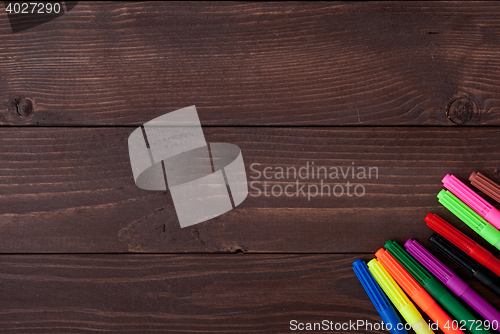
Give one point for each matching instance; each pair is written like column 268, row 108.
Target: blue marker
column 378, row 298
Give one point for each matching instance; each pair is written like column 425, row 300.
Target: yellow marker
column 399, row 298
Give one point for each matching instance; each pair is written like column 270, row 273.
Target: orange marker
column 416, row 292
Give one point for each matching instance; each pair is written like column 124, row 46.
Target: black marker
column 466, row 263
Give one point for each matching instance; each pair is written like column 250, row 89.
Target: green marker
column 487, row 231
column 436, row 289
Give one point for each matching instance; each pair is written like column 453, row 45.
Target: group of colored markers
column 425, row 279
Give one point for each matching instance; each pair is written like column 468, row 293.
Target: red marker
column 466, row 244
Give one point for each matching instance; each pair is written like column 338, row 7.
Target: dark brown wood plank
column 256, row 63
column 181, row 293
column 72, row 190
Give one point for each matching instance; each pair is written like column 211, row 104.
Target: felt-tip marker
column 453, row 282
column 487, row 231
column 466, row 244
column 435, row 288
column 399, row 298
column 486, row 185
column 416, row 292
column 466, row 263
column 473, row 200
column 378, row 298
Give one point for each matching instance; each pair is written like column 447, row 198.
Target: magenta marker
column 473, row 200
column 452, row 281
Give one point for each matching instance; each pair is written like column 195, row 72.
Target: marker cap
column 378, row 298
column 432, row 285
column 486, row 185
column 473, row 200
column 415, row 291
column 405, row 280
column 388, row 285
column 454, row 254
column 448, row 231
column 398, row 298
column 419, row 273
column 471, row 218
column 436, row 267
column 376, row 295
column 466, row 244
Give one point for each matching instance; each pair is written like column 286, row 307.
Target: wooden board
column 256, row 64
column 181, row 293
column 72, row 190
column 340, row 85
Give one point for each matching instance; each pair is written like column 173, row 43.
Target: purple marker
column 452, row 281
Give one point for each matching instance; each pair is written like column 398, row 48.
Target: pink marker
column 473, row 200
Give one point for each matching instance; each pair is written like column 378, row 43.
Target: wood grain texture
column 106, row 67
column 72, row 190
column 255, row 63
column 181, row 293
